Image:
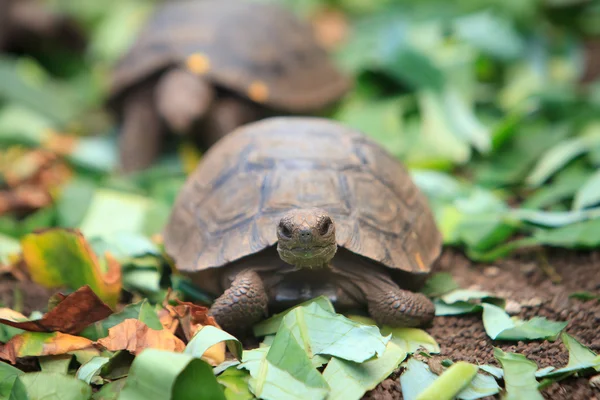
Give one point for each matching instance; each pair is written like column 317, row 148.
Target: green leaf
column 126, row 213
column 271, row 325
column 91, row 369
column 47, row 99
column 349, row 380
column 589, row 193
column 56, row 363
column 235, row 382
column 158, row 374
column 559, row 155
column 73, row 202
column 439, row 284
column 110, row 391
column 580, row 234
column 519, row 376
column 580, row 358
column 415, row 379
column 8, row 376
column 500, row 326
column 271, row 383
column 98, row 154
column 54, row 386
column 141, row 311
column 380, row 119
column 491, row 34
column 207, row 337
column 481, row 386
column 411, row 339
column 321, row 332
column 554, row 219
column 450, row 383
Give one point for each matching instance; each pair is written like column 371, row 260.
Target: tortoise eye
column 325, row 226
column 285, row 231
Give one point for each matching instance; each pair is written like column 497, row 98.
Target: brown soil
column 527, row 284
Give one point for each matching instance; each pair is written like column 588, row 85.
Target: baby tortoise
column 210, row 66
column 289, row 208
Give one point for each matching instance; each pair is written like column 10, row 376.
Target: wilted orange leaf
column 57, row 257
column 191, row 317
column 75, row 312
column 29, row 344
column 134, row 336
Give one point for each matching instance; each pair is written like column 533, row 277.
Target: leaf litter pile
column 493, row 105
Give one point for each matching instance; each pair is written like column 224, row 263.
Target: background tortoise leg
column 182, row 99
column 242, row 305
column 226, row 114
column 400, row 308
column 141, row 134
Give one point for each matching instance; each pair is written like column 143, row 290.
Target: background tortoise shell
column 231, row 204
column 262, row 51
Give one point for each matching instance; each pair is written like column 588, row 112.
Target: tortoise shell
column 260, row 51
column 231, row 204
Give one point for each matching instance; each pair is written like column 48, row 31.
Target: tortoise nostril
column 305, row 234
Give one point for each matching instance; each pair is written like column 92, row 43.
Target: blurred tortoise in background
column 290, row 208
column 28, row 26
column 206, row 67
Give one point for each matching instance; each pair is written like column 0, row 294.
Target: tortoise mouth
column 307, row 256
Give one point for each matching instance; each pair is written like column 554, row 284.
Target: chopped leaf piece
column 324, row 333
column 163, row 375
column 519, row 376
column 481, row 386
column 580, row 358
column 54, row 386
column 8, row 375
column 500, row 326
column 415, row 379
column 135, row 336
column 141, row 311
column 450, row 383
column 58, row 363
column 349, row 380
column 92, row 368
column 270, row 325
column 411, row 339
column 235, row 382
column 41, row 344
column 209, row 344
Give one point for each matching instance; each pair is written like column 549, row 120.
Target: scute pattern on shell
column 230, row 205
column 246, row 43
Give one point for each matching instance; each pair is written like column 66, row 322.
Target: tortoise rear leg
column 142, row 133
column 242, row 305
column 226, row 114
column 400, row 308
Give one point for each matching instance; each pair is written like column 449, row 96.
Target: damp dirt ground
column 536, row 284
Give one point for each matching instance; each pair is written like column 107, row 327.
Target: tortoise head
column 306, row 238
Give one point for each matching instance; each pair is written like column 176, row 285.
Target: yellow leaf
column 61, row 257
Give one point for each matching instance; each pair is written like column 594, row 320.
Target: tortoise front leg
column 399, row 308
column 141, row 136
column 243, row 304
